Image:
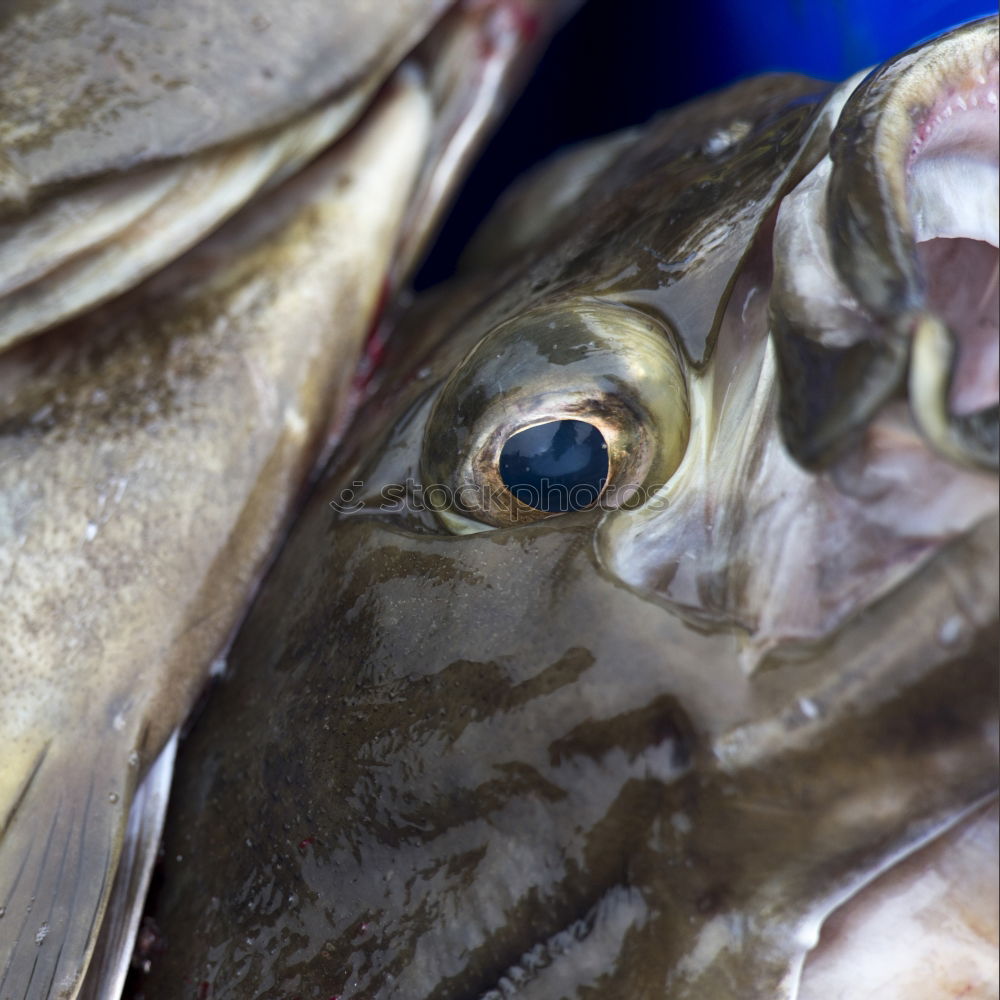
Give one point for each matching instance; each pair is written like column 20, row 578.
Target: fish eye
column 557, row 466
column 577, row 405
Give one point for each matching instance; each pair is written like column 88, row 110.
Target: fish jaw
column 887, row 496
column 97, row 195
column 157, row 97
column 886, row 259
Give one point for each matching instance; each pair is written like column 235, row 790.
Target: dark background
column 618, row 62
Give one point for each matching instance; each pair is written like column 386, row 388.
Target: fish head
column 580, row 671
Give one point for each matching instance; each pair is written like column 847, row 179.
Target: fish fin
column 58, row 852
column 112, row 956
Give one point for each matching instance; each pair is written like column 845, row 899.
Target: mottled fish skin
column 152, row 450
column 149, row 456
column 517, row 756
column 633, row 752
column 129, row 133
column 94, row 87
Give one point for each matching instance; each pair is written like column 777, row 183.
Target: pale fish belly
column 927, row 929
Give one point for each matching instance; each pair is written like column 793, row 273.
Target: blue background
column 618, row 62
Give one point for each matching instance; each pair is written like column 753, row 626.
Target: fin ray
column 109, row 966
column 56, row 856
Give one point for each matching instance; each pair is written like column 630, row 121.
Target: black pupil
column 556, row 467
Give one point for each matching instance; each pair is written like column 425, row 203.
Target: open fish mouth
column 888, row 256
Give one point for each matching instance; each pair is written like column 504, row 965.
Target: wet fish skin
column 156, row 447
column 162, row 86
column 640, row 752
column 468, row 786
column 150, row 456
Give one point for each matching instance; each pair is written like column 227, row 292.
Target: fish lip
column 857, row 326
column 979, row 90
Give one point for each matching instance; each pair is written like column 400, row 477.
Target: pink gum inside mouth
column 962, row 278
column 956, row 146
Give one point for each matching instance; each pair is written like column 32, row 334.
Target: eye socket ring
column 584, row 362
